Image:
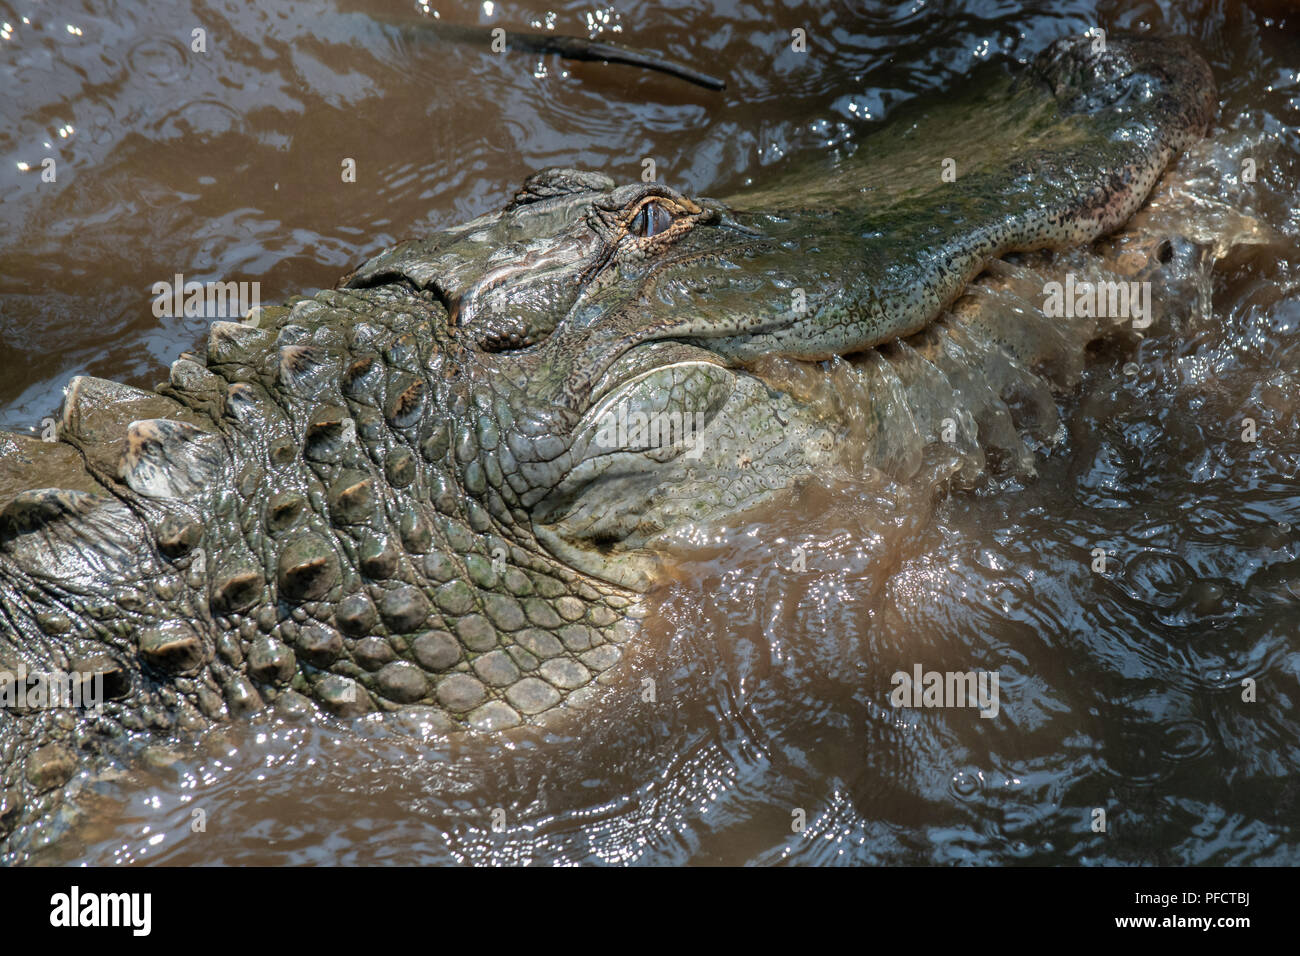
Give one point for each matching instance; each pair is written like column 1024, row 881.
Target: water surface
column 1120, row 690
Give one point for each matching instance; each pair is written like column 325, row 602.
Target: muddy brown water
column 1120, row 690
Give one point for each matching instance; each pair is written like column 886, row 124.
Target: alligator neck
column 282, row 517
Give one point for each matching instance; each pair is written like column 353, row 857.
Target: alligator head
column 625, row 318
column 442, row 483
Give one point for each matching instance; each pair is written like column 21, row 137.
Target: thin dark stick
column 569, row 47
column 578, row 48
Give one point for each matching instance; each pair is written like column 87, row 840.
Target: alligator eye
column 651, row 220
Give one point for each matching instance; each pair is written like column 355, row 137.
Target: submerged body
column 403, row 493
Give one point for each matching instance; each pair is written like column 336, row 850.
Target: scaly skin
column 395, row 493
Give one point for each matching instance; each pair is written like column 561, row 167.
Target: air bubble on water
column 1130, row 368
column 965, row 784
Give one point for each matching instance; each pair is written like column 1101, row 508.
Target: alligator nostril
column 1165, row 251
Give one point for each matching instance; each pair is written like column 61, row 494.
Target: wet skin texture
column 395, row 494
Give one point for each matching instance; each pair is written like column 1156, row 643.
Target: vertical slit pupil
column 652, row 220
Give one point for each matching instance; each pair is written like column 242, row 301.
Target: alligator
column 445, row 483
